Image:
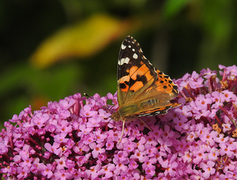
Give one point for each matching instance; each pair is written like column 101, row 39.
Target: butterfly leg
column 122, row 132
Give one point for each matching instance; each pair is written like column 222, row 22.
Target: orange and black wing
column 135, row 72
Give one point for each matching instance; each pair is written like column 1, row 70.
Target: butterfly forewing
column 135, row 72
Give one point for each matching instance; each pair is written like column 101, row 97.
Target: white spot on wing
column 126, row 60
column 135, row 56
column 123, row 61
column 123, row 47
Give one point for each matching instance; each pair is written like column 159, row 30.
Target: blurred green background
column 53, row 49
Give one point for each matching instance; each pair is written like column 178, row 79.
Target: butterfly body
column 143, row 90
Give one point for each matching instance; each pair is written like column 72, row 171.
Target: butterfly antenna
column 85, row 94
column 122, row 132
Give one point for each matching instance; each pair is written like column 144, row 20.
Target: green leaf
column 173, row 7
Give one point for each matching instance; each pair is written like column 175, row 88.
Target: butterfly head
column 116, row 116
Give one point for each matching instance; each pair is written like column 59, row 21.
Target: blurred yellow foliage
column 80, row 40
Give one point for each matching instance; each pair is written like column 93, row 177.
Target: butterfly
column 142, row 90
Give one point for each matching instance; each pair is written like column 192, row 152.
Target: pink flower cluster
column 75, row 138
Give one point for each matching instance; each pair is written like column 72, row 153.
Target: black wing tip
column 129, row 38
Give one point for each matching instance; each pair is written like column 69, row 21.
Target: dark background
column 53, row 49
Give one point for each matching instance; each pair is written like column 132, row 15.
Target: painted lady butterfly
column 143, row 90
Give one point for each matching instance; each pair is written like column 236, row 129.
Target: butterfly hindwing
column 158, row 97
